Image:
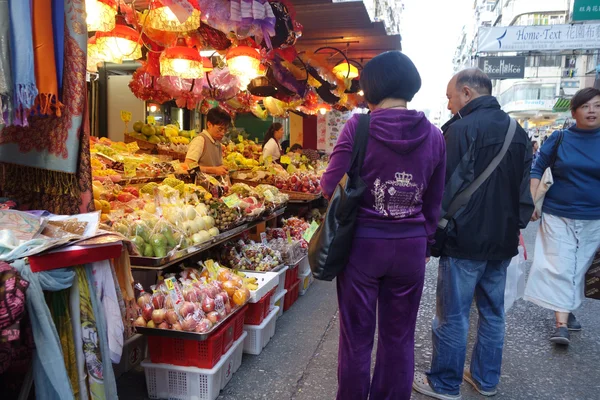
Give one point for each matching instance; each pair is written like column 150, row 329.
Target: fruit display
column 155, row 134
column 225, row 217
column 246, row 148
column 196, row 302
column 236, row 161
column 248, row 255
column 298, row 182
column 293, row 228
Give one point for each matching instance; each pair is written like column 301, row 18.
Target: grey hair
column 475, row 79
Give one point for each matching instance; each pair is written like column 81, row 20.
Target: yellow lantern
column 161, row 18
column 121, row 43
column 182, row 62
column 341, row 71
column 100, row 15
column 243, row 61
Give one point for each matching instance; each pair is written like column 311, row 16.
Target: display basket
column 165, row 381
column 260, row 335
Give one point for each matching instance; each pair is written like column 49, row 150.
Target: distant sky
column 430, row 34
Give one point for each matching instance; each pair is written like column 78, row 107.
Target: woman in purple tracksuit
column 404, row 170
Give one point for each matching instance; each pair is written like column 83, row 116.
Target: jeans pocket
column 467, row 265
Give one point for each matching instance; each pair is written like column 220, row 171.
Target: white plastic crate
column 266, row 281
column 281, row 276
column 305, row 282
column 303, row 267
column 277, row 301
column 259, row 335
column 165, row 381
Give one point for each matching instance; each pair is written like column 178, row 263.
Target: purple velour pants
column 383, row 278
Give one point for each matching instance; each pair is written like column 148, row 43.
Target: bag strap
column 359, row 148
column 561, row 135
column 464, row 196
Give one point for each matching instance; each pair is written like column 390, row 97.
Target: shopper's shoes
column 469, row 379
column 572, row 323
column 421, row 385
column 561, row 336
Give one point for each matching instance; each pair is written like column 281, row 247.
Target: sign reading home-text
column 538, row 38
column 503, row 67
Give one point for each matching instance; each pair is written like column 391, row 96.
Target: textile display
column 6, row 82
column 51, row 155
column 74, row 308
column 50, row 376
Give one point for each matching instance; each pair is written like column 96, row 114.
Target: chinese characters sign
column 539, row 38
column 586, row 10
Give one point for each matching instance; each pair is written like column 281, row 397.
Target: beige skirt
column 564, row 250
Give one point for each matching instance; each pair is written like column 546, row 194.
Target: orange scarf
column 45, row 63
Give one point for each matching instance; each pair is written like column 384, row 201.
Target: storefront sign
column 503, row 67
column 529, row 105
column 539, row 38
column 586, row 10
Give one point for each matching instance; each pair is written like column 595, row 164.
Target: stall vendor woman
column 205, row 150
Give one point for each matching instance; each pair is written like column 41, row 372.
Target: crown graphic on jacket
column 403, row 178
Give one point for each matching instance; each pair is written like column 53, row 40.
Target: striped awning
column 562, row 105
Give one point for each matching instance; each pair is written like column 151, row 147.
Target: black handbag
column 461, row 200
column 329, row 248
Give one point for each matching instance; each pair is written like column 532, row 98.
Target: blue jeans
column 458, row 282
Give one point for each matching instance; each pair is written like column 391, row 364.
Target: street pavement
column 300, row 362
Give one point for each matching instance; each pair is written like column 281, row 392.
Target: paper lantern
column 323, row 108
column 243, row 61
column 207, row 64
column 100, row 15
column 162, row 18
column 341, row 71
column 122, row 42
column 182, row 62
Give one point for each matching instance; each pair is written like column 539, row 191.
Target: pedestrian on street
column 403, row 169
column 480, row 239
column 569, row 234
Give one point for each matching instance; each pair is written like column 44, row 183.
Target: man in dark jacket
column 481, row 238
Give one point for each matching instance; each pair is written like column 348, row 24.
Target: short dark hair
column 217, row 116
column 390, row 75
column 583, row 96
column 476, row 79
column 296, row 146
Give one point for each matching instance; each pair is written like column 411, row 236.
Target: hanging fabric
column 74, row 308
column 6, row 82
column 21, row 52
column 45, row 64
column 49, row 372
column 58, row 29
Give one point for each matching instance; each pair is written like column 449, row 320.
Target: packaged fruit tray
column 190, row 335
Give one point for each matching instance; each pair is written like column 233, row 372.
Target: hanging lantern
column 341, row 71
column 243, row 61
column 207, row 64
column 323, row 108
column 160, row 17
column 93, row 55
column 121, row 42
column 182, row 62
column 100, row 15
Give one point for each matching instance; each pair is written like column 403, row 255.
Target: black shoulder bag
column 463, row 197
column 328, row 250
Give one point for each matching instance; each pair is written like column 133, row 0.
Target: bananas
column 250, row 282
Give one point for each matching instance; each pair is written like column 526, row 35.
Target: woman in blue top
column 569, row 234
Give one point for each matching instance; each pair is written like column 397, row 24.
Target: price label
column 132, row 147
column 174, row 291
column 130, row 169
column 285, row 160
column 213, row 268
column 303, row 168
column 256, row 140
column 263, row 238
column 125, row 116
column 240, row 138
column 231, row 201
column 151, row 119
column 269, row 160
column 291, row 169
column 289, row 237
column 308, row 234
column 170, row 283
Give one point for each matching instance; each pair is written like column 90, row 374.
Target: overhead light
column 361, row 93
column 121, row 42
column 181, row 61
column 243, row 61
column 345, row 70
column 160, row 17
column 100, row 15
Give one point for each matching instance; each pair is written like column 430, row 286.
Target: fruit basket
column 260, row 335
column 165, row 381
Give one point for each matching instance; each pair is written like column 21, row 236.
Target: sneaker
column 469, row 379
column 572, row 323
column 561, row 336
column 421, row 385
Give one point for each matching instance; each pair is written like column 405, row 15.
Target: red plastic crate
column 257, row 312
column 239, row 323
column 185, row 352
column 291, row 296
column 228, row 332
column 291, row 277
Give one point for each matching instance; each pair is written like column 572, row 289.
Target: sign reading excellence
column 538, row 38
column 503, row 67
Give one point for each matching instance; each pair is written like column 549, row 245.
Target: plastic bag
column 515, row 279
